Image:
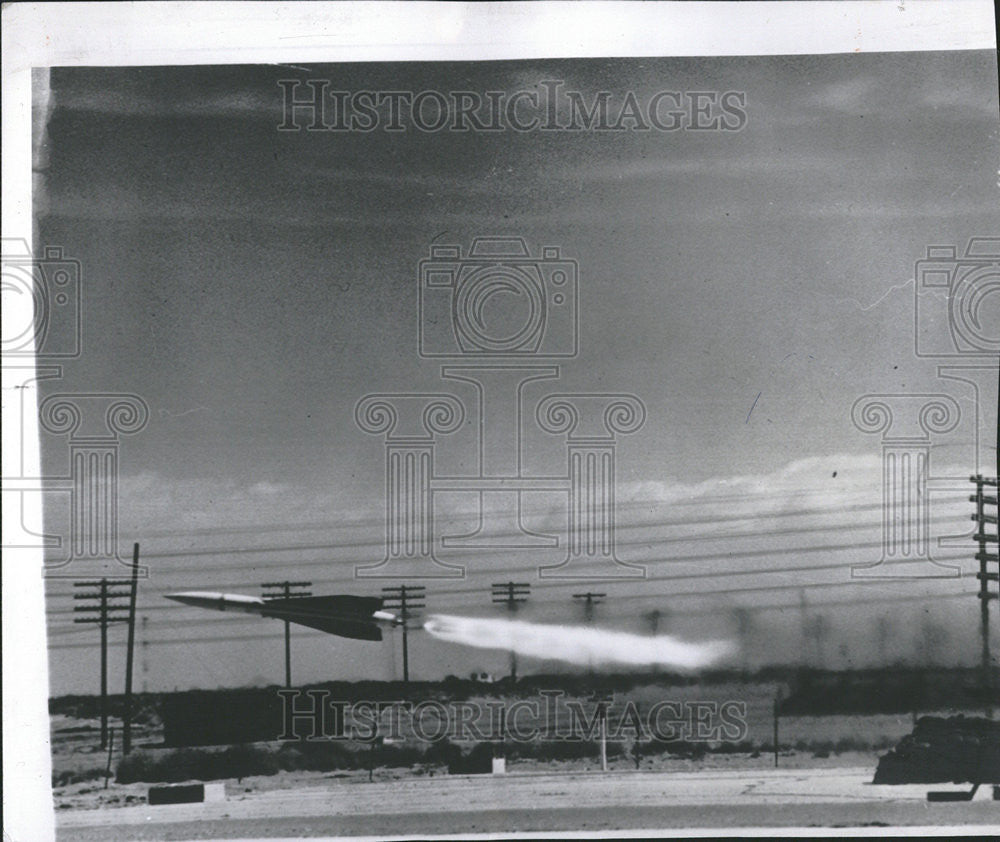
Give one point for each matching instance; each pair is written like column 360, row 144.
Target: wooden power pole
column 286, row 590
column 97, row 600
column 985, row 536
column 511, row 594
column 403, row 598
column 130, row 654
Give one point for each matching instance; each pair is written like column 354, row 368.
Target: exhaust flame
column 575, row 644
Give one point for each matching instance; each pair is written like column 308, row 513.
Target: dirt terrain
column 821, row 780
column 335, row 805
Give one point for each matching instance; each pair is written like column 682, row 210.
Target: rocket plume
column 576, row 644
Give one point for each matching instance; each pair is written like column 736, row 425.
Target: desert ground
column 809, row 789
column 345, row 805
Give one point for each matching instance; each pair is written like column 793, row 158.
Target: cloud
column 818, row 493
column 256, row 103
column 846, row 96
column 153, row 502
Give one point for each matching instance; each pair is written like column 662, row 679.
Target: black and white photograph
column 502, row 420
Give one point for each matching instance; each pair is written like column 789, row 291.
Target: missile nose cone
column 219, row 601
column 196, row 599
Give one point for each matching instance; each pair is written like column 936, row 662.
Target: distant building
column 483, row 677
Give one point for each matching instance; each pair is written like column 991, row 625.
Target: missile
column 357, row 617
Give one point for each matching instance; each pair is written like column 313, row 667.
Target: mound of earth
column 956, row 750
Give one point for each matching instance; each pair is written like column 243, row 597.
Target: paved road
column 538, row 802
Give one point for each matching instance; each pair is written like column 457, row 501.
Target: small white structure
column 215, row 792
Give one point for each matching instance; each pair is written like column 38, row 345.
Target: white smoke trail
column 575, row 644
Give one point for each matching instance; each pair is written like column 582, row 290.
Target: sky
column 251, row 285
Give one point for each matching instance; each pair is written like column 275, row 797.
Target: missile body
column 220, row 601
column 357, row 617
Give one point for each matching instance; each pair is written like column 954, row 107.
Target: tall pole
column 98, row 596
column 104, row 663
column 589, row 599
column 284, row 590
column 604, row 738
column 288, row 643
column 776, row 713
column 404, row 598
column 653, row 619
column 804, row 620
column 511, row 594
column 983, row 556
column 744, row 625
column 130, row 654
column 406, row 649
column 145, row 653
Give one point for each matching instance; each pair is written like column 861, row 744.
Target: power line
column 553, row 584
column 647, row 561
column 379, row 542
column 679, row 612
column 378, row 519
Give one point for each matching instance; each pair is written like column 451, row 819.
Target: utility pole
column 603, row 702
column 777, row 715
column 817, row 631
column 286, row 590
column 744, row 628
column 653, row 619
column 129, row 654
column 983, row 556
column 145, row 653
column 403, row 598
column 511, row 594
column 804, row 621
column 590, row 599
column 604, row 738
column 883, row 629
column 97, row 600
